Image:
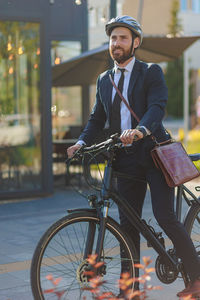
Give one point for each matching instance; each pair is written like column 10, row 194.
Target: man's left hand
column 130, row 135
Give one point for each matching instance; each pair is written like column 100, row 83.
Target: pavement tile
column 22, row 256
column 5, row 259
column 8, row 248
column 16, row 293
column 23, row 275
column 8, row 280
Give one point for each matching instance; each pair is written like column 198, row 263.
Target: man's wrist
column 81, row 143
column 143, row 130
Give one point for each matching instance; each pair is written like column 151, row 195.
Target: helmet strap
column 132, row 51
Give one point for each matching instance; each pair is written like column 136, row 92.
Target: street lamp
column 186, row 97
column 113, row 9
column 140, row 9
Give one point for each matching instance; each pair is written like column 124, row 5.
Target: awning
column 85, row 68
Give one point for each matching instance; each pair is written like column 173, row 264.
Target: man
column 144, row 88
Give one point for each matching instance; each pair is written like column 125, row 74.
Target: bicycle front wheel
column 60, row 254
column 192, row 225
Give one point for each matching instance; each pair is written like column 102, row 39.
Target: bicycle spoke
column 63, row 258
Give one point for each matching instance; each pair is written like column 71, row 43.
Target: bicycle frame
column 182, row 190
column 101, row 207
column 132, row 216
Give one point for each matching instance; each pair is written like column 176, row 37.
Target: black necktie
column 116, row 106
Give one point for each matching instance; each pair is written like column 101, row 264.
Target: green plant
column 192, row 145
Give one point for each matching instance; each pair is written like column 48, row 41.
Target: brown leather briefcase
column 175, row 164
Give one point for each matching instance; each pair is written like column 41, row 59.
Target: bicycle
column 64, row 248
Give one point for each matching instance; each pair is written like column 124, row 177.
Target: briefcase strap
column 171, row 140
column 134, row 114
column 124, row 100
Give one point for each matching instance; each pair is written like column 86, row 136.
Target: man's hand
column 72, row 149
column 130, row 135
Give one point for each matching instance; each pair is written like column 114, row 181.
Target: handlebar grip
column 136, row 137
column 75, row 153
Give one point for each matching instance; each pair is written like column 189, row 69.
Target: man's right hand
column 72, row 149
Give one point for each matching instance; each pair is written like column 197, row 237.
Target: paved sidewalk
column 23, row 222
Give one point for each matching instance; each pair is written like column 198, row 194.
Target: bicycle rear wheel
column 192, row 225
column 60, row 253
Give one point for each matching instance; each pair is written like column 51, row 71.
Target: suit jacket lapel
column 133, row 79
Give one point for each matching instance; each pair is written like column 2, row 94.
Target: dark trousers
column 162, row 197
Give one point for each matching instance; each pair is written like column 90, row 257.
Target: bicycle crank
column 164, row 271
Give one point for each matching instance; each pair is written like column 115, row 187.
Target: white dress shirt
column 125, row 113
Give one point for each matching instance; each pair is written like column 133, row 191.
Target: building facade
column 190, row 19
column 99, row 14
column 34, row 34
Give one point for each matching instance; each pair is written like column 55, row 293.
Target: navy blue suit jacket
column 147, row 95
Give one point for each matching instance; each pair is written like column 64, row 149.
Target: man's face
column 120, row 44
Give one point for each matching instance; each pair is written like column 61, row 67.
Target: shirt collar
column 128, row 67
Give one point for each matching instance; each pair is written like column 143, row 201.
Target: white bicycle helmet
column 125, row 21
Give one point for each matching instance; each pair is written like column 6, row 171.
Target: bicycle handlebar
column 115, row 142
column 104, row 148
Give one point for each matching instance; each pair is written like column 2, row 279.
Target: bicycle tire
column 192, row 225
column 66, row 263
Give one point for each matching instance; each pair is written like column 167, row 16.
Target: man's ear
column 136, row 42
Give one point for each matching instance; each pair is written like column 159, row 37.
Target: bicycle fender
column 76, row 210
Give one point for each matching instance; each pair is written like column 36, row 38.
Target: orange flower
column 49, row 291
column 49, row 277
column 147, row 260
column 99, row 264
column 92, row 259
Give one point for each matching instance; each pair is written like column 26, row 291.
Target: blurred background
column 51, row 53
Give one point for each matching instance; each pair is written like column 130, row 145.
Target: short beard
column 120, row 59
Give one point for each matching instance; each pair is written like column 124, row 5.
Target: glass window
column 183, row 5
column 20, row 117
column 196, row 6
column 98, row 14
column 119, row 9
column 64, row 50
column 66, row 101
column 66, row 111
column 92, row 17
column 66, row 107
